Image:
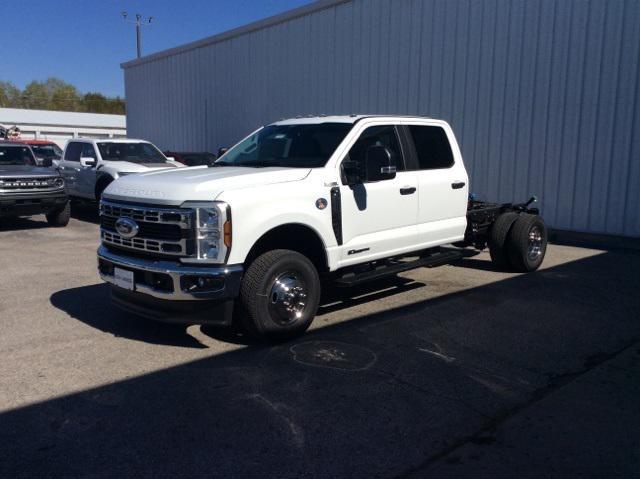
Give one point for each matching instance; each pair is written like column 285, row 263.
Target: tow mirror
column 222, row 151
column 378, row 165
column 87, row 162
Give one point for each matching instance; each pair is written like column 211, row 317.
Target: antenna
column 139, row 22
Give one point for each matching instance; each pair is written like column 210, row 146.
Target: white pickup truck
column 88, row 165
column 295, row 204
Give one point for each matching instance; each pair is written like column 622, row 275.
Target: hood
column 131, row 167
column 198, row 183
column 26, row 171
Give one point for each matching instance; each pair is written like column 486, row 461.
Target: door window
column 433, row 150
column 88, row 151
column 72, row 152
column 378, row 136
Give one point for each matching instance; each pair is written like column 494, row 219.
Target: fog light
column 199, row 284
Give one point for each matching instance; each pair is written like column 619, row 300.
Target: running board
column 435, row 259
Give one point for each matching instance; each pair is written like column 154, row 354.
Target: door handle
column 407, row 190
column 457, row 185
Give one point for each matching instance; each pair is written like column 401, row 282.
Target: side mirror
column 222, row 151
column 87, row 162
column 46, row 162
column 378, row 165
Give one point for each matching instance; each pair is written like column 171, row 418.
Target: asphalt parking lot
column 458, row 371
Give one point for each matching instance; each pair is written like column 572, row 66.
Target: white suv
column 90, row 165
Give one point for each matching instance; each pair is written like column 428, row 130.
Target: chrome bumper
column 225, row 280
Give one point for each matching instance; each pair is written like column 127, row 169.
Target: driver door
column 86, row 177
column 379, row 219
column 69, row 166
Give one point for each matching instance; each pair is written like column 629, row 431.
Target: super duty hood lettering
column 198, row 183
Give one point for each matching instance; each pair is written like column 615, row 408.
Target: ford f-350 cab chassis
column 296, row 204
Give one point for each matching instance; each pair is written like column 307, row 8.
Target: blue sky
column 84, row 42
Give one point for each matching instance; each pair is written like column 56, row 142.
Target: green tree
column 9, row 95
column 35, row 96
column 56, row 94
column 95, row 102
column 63, row 96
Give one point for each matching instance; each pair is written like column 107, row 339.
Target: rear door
column 69, row 166
column 443, row 193
column 379, row 218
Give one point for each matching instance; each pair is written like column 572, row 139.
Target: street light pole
column 139, row 22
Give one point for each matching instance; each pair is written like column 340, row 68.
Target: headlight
column 213, row 231
column 58, row 182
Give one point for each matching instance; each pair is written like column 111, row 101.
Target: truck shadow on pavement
column 383, row 395
column 85, row 211
column 23, row 223
column 92, row 306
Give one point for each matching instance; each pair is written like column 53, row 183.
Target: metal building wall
column 543, row 94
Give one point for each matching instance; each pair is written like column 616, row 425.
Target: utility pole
column 139, row 22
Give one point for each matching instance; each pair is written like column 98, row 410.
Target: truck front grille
column 161, row 231
column 20, row 185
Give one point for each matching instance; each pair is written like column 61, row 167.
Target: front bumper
column 167, row 290
column 34, row 203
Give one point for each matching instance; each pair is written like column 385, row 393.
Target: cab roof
column 109, row 140
column 31, row 142
column 310, row 120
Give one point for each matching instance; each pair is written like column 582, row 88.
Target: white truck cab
column 89, row 165
column 341, row 198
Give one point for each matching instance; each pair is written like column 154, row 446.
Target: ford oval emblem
column 126, row 227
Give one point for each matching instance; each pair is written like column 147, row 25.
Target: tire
column 60, row 217
column 527, row 243
column 498, row 239
column 264, row 312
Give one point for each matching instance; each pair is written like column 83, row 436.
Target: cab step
column 437, row 258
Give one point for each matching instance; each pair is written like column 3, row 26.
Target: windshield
column 133, row 152
column 47, row 151
column 291, row 146
column 16, row 155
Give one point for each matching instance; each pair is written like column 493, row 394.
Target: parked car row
column 258, row 231
column 81, row 171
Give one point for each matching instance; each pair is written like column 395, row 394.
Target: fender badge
column 321, row 203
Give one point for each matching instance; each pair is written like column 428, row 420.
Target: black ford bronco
column 27, row 189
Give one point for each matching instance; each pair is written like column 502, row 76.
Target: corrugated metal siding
column 543, row 94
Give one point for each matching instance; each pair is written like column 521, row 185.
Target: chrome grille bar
column 18, row 185
column 171, row 217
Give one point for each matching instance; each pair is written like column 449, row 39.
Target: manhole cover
column 334, row 355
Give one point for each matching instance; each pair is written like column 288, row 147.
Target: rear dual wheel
column 527, row 243
column 518, row 241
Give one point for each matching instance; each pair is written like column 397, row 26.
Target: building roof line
column 13, row 116
column 236, row 32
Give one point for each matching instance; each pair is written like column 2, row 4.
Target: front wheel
column 279, row 295
column 60, row 217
